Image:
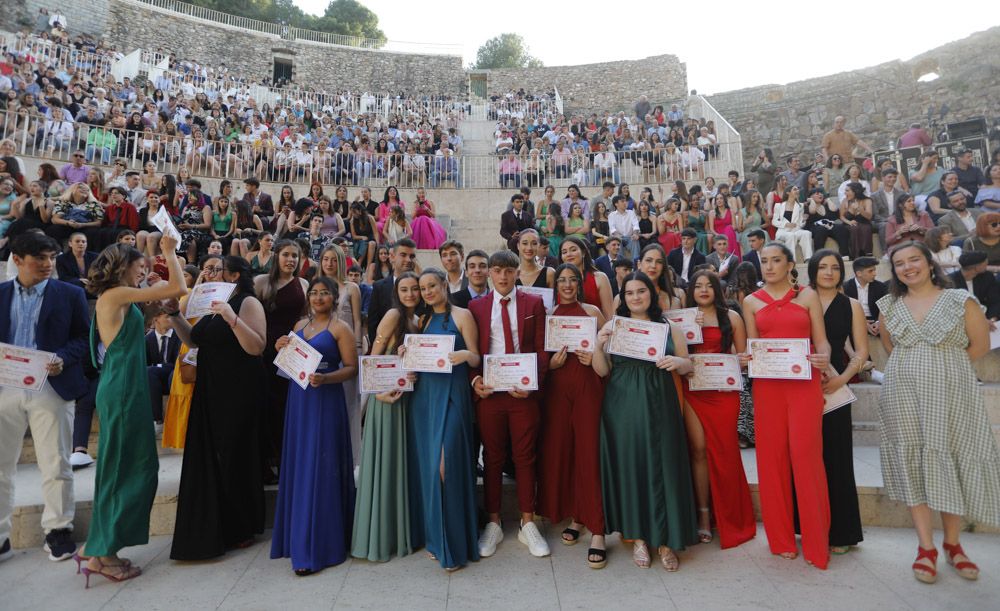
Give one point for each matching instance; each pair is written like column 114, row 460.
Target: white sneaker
column 158, row 428
column 79, row 460
column 530, row 536
column 491, row 537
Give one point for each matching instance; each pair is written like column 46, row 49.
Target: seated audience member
column 685, row 257
column 755, row 240
column 605, row 263
column 721, row 260
column 960, row 220
column 940, row 242
column 514, row 221
column 510, row 171
column 986, row 239
column 355, row 274
column 867, row 290
column 73, row 265
column 907, row 222
column 476, row 276
column 162, row 346
column 622, row 267
column 624, row 224
column 974, row 278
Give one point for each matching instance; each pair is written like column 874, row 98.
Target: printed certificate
column 574, row 332
column 191, row 357
column 781, row 359
column 165, row 224
column 200, row 300
column 298, row 360
column 544, row 293
column 838, row 398
column 685, row 321
column 382, row 374
column 503, row 372
column 715, row 372
column 428, row 353
column 638, row 339
column 23, row 368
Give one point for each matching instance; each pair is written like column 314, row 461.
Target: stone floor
column 874, row 576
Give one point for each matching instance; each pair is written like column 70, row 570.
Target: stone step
column 876, row 508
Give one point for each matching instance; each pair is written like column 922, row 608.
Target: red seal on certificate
column 401, row 382
column 584, row 343
column 796, row 369
column 29, row 380
column 302, row 375
column 651, row 351
column 440, row 362
column 731, row 381
column 525, row 380
column 690, row 334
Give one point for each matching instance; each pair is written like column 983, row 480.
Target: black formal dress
column 220, row 504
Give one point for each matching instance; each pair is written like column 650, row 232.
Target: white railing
column 732, row 150
column 287, row 32
column 522, row 109
column 36, row 50
column 558, row 101
column 33, row 136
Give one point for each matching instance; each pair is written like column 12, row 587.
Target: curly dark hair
column 719, row 301
column 109, row 268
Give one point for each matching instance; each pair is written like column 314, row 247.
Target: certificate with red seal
column 503, row 372
column 428, row 353
column 779, row 359
column 686, row 320
column 202, row 297
column 23, row 368
column 572, row 332
column 382, row 374
column 715, row 372
column 298, row 360
column 638, row 339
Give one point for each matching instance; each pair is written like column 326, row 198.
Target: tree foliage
column 505, row 51
column 348, row 17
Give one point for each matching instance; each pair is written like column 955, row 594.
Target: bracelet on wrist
column 235, row 322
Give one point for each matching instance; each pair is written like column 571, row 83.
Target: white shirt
column 623, row 224
column 159, row 341
column 687, row 263
column 454, row 287
column 863, row 298
column 497, row 344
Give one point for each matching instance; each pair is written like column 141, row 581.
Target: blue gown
column 314, row 513
column 439, row 420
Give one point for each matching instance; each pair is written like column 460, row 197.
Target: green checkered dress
column 937, row 444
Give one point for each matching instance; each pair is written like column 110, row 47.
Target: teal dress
column 439, row 422
column 645, row 471
column 697, row 222
column 127, row 465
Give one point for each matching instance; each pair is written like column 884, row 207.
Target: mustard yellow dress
column 175, row 416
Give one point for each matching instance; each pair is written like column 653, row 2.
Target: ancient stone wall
column 82, row 16
column 879, row 102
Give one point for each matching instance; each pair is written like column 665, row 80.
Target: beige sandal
column 669, row 559
column 640, row 555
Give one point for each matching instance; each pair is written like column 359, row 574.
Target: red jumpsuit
column 788, row 423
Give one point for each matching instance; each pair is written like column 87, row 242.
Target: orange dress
column 175, row 416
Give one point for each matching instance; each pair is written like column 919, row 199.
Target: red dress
column 569, row 469
column 671, row 238
column 591, row 294
column 788, row 424
column 718, row 411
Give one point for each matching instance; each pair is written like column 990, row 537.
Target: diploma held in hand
column 715, row 372
column 428, row 353
column 781, row 359
column 298, row 360
column 165, row 224
column 638, row 339
column 572, row 332
column 686, row 320
column 385, row 373
column 539, row 291
column 503, row 372
column 24, row 368
column 202, row 297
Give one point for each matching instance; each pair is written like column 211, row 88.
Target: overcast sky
column 733, row 44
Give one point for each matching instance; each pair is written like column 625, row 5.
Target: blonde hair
column 338, row 252
column 110, row 267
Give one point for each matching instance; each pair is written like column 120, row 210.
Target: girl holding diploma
column 439, row 436
column 314, row 513
column 653, row 263
column 382, row 511
column 645, row 470
column 126, row 465
column 569, row 466
column 529, row 272
column 596, row 286
column 710, row 419
column 844, row 319
column 789, row 413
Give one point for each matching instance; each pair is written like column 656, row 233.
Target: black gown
column 220, row 503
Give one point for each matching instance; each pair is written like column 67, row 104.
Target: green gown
column 698, row 223
column 127, row 465
column 382, row 508
column 645, row 469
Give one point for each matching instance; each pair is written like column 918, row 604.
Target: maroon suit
column 502, row 417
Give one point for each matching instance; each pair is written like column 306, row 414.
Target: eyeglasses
column 319, row 294
column 77, row 155
column 213, row 269
column 995, row 224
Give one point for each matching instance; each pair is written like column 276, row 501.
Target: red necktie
column 508, row 334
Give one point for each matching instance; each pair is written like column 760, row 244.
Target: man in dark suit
column 685, row 258
column 606, row 263
column 884, row 202
column 977, row 280
column 476, row 276
column 509, row 322
column 66, row 265
column 40, row 313
column 402, row 257
column 867, row 290
column 256, row 201
column 162, row 346
column 756, row 239
column 514, row 221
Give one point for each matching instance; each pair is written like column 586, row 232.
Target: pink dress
column 427, row 232
column 382, row 213
column 724, row 226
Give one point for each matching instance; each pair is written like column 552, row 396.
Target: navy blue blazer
column 63, row 328
column 603, row 263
